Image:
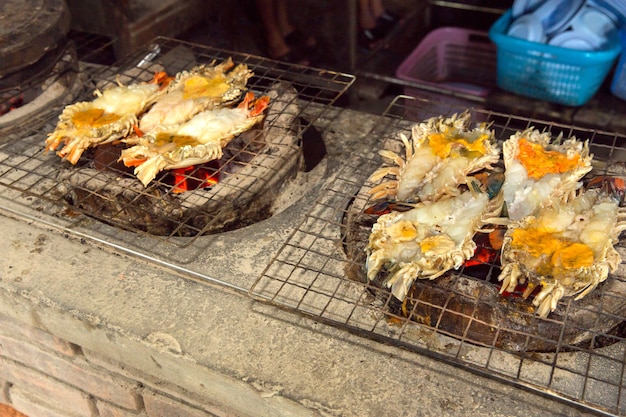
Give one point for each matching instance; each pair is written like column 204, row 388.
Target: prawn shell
column 428, row 240
column 201, row 139
column 438, row 157
column 568, row 252
column 109, row 117
column 192, row 91
column 524, row 191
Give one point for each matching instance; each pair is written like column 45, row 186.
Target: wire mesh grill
column 460, row 317
column 92, row 48
column 32, row 93
column 56, row 73
column 101, row 188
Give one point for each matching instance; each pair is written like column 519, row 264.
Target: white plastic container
column 594, row 24
column 527, row 27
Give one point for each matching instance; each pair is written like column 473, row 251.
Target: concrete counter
column 215, row 350
column 89, row 330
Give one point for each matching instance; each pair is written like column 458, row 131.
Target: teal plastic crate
column 618, row 85
column 546, row 72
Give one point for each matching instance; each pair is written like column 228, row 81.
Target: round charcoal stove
column 467, row 304
column 30, row 30
column 38, row 65
column 261, row 172
column 459, row 317
column 235, row 191
column 243, row 187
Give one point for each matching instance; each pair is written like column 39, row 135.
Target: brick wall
column 44, row 376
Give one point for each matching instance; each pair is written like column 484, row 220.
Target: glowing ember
column 486, row 252
column 11, row 104
column 194, row 177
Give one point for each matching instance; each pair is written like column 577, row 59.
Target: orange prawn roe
column 556, row 254
column 93, row 118
column 445, row 145
column 196, row 87
column 539, row 162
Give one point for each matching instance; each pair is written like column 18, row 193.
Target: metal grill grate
column 71, row 196
column 318, row 272
column 29, row 96
column 92, row 48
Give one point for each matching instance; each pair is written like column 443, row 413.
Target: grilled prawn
column 202, row 88
column 197, row 141
column 428, row 240
column 539, row 170
column 109, row 117
column 438, row 157
column 566, row 249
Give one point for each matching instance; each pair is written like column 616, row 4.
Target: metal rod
column 352, row 44
column 412, row 84
column 474, row 8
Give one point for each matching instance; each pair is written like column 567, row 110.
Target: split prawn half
column 428, row 240
column 567, row 249
column 111, row 116
column 202, row 88
column 439, row 156
column 540, row 169
column 197, row 141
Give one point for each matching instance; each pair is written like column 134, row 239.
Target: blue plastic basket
column 618, row 85
column 546, row 72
